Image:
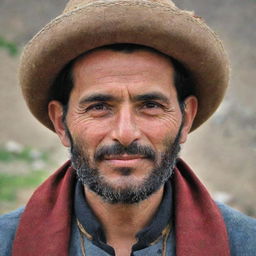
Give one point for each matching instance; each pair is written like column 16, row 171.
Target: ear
column 55, row 112
column 190, row 110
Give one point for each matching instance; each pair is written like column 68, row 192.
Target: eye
column 152, row 108
column 98, row 106
column 151, row 105
column 98, row 109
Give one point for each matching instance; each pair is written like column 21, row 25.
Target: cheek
column 158, row 130
column 88, row 133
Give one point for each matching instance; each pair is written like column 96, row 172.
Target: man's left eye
column 152, row 108
column 151, row 105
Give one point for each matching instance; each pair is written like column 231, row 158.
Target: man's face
column 124, row 123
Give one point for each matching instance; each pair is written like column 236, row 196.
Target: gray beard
column 91, row 178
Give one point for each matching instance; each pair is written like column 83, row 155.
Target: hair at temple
column 63, row 84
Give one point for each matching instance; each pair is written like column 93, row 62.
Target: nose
column 125, row 130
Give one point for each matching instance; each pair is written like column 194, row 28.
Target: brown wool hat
column 88, row 24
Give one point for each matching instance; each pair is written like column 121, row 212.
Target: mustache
column 118, row 149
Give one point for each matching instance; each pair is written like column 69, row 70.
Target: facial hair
column 92, row 179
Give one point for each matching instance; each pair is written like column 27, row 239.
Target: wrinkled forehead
column 118, row 52
column 105, row 68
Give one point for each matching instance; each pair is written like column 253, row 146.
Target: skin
column 125, row 113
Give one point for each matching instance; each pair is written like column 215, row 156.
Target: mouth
column 124, row 160
column 124, row 157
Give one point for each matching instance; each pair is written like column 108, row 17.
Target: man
column 122, row 83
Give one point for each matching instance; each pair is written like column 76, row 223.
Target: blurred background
column 222, row 152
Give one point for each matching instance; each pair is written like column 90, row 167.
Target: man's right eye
column 98, row 106
column 98, row 109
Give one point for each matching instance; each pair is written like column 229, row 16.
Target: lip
column 124, row 160
column 124, row 157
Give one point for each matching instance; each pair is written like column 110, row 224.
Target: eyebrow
column 96, row 97
column 151, row 96
column 107, row 97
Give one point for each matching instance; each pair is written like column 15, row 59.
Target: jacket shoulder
column 241, row 231
column 8, row 226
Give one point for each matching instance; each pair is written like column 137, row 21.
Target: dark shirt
column 144, row 237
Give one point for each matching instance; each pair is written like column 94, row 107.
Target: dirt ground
column 222, row 152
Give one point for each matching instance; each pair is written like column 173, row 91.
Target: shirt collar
column 145, row 237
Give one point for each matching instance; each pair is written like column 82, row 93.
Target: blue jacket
column 241, row 230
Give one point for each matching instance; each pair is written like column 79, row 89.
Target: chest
column 82, row 246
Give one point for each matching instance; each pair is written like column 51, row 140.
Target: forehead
column 145, row 56
column 105, row 68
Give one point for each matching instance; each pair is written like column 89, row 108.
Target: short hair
column 64, row 83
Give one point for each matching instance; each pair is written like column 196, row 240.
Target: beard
column 157, row 177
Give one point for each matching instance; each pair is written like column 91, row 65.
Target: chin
column 124, row 182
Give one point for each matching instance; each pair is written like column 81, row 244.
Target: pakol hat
column 159, row 24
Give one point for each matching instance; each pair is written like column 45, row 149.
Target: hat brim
column 161, row 26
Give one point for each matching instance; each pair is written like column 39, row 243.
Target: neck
column 121, row 222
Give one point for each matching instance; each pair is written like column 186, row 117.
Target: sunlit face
column 123, row 99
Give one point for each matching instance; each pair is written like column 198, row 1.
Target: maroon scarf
column 45, row 225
